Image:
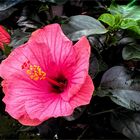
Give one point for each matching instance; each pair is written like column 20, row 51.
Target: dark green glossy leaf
column 7, row 49
column 131, row 52
column 27, row 136
column 29, row 19
column 8, row 126
column 55, row 1
column 82, row 25
column 18, row 38
column 28, row 132
column 76, row 114
column 108, row 19
column 122, row 86
column 96, row 62
column 6, row 4
column 5, row 14
column 1, row 55
column 127, row 124
column 48, row 127
column 93, row 66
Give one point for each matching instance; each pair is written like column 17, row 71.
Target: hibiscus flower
column 46, row 77
column 4, row 37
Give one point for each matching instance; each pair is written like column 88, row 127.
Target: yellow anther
column 35, row 73
column 28, row 72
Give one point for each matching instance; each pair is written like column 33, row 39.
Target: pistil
column 55, row 83
column 36, row 73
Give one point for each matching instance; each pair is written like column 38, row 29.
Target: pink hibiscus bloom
column 46, row 77
column 4, row 37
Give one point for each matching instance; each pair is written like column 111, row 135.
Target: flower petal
column 25, row 120
column 24, row 100
column 80, row 71
column 52, row 106
column 13, row 63
column 36, row 54
column 4, row 34
column 55, row 106
column 60, row 46
column 83, row 97
column 82, row 50
column 16, row 107
column 4, row 37
column 16, row 95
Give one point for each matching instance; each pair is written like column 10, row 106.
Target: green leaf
column 5, row 13
column 18, row 38
column 28, row 136
column 7, row 49
column 131, row 25
column 56, row 1
column 122, row 86
column 132, row 12
column 127, row 11
column 93, row 66
column 128, row 23
column 28, row 132
column 96, row 64
column 8, row 126
column 108, row 19
column 76, row 114
column 128, row 123
column 118, row 20
column 131, row 52
column 82, row 25
column 135, row 30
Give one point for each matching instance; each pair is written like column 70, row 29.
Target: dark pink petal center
column 62, row 81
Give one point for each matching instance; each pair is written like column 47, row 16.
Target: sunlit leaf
column 130, row 25
column 127, row 11
column 108, row 19
column 127, row 23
